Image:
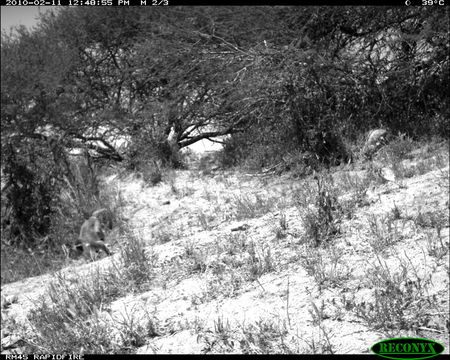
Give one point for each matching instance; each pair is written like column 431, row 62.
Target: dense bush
column 28, row 199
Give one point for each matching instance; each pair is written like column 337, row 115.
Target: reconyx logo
column 407, row 348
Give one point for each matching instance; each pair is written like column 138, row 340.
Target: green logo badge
column 407, row 348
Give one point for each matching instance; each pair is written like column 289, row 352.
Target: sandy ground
column 311, row 310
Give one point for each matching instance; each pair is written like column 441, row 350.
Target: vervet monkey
column 92, row 235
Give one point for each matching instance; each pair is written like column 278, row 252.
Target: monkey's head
column 99, row 229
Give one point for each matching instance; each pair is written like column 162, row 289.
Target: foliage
column 306, row 75
column 28, row 198
column 318, row 69
column 349, row 71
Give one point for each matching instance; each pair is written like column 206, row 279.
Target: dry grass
column 401, row 299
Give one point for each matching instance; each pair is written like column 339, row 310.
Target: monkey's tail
column 99, row 211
